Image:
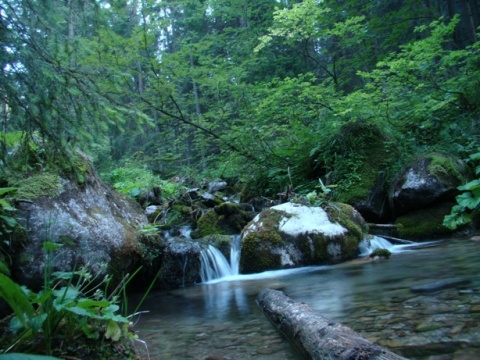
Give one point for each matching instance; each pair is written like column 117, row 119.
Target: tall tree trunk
column 470, row 19
column 198, row 113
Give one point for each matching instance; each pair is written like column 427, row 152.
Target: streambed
column 220, row 320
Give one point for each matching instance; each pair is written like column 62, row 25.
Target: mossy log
column 314, row 336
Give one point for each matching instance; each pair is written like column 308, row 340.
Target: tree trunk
column 314, row 336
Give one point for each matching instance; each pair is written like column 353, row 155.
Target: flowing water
column 220, row 319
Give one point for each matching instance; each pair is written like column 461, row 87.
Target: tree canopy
column 235, row 88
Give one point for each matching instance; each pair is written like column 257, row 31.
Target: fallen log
column 314, row 336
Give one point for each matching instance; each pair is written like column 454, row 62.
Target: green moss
column 182, row 209
column 209, row 224
column 346, row 216
column 256, row 254
column 316, row 242
column 226, row 218
column 360, row 153
column 424, row 224
column 350, row 245
column 227, row 209
column 384, row 253
column 447, row 169
column 35, row 186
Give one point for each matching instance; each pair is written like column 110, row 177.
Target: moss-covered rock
column 98, row 227
column 179, row 264
column 380, row 253
column 208, row 224
column 37, row 185
column 359, row 157
column 424, row 224
column 293, row 235
column 426, row 180
column 224, row 219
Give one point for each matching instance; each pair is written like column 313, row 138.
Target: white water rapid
column 215, row 267
column 373, row 242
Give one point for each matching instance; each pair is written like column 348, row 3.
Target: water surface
column 221, row 320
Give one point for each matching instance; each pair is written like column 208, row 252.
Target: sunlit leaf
column 113, row 331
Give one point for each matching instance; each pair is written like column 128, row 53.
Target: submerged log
column 314, row 336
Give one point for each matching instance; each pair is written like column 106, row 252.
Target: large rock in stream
column 293, row 235
column 428, row 180
column 97, row 226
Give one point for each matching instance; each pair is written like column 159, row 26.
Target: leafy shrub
column 133, row 181
column 7, row 222
column 468, row 202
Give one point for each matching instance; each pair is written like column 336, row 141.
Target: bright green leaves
column 470, row 199
column 305, row 20
column 468, row 202
column 61, row 310
column 7, row 222
column 113, row 331
column 133, row 181
column 13, row 294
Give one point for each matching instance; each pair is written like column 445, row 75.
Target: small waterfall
column 235, row 254
column 367, row 245
column 214, row 265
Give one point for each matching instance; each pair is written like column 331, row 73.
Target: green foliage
column 247, row 90
column 7, row 222
column 134, row 181
column 468, row 202
column 69, row 304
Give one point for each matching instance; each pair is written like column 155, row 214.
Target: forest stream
column 220, row 319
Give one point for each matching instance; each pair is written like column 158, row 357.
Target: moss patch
column 349, row 218
column 448, row 170
column 256, row 254
column 383, row 253
column 35, row 186
column 359, row 152
column 209, row 224
column 424, row 224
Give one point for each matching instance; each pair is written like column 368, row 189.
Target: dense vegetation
column 268, row 93
column 251, row 90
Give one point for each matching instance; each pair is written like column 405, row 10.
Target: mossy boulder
column 97, row 226
column 179, row 264
column 293, row 235
column 359, row 157
column 429, row 179
column 424, row 224
column 224, row 219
